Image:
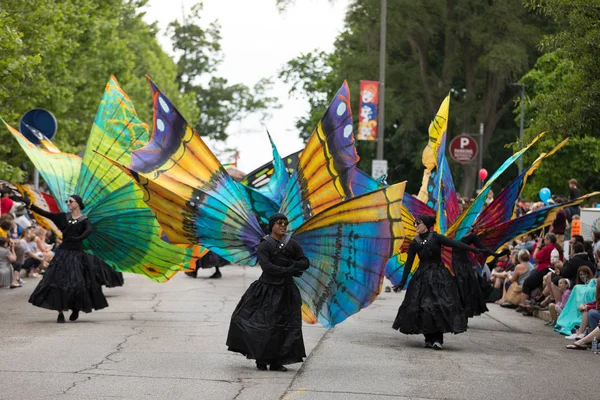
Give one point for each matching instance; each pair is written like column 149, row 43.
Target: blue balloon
column 545, row 195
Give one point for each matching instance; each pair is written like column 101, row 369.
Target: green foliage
column 218, row 103
column 473, row 49
column 563, row 88
column 58, row 55
column 579, row 159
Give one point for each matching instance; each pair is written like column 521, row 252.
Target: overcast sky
column 257, row 40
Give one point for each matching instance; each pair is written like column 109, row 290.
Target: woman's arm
column 57, row 218
column 407, row 267
column 300, row 261
column 445, row 241
column 264, row 259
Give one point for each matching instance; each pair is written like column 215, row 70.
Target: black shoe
column 74, row 315
column 437, row 346
column 279, row 368
column 61, row 318
column 428, row 345
column 216, row 275
column 262, row 367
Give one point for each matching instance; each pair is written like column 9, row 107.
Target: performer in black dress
column 70, row 283
column 266, row 325
column 466, row 277
column 432, row 304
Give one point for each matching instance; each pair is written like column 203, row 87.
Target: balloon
column 545, row 195
column 483, row 174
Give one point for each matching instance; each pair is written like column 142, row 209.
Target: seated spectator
column 564, row 288
column 596, row 249
column 570, row 270
column 5, row 225
column 34, row 259
column 7, row 255
column 6, row 202
column 21, row 219
column 545, row 255
column 525, row 243
column 515, row 279
column 570, row 316
column 584, row 276
column 593, row 321
column 40, row 241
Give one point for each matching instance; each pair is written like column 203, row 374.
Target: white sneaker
column 575, row 336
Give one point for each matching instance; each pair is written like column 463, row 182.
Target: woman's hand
column 582, row 307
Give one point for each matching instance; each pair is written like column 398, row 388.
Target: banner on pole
column 367, row 119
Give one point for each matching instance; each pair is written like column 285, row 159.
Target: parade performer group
column 333, row 233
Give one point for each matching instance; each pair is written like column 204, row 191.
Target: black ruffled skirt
column 266, row 325
column 469, row 290
column 431, row 304
column 105, row 274
column 70, row 283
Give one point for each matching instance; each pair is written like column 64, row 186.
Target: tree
column 471, row 48
column 58, row 55
column 218, row 102
column 567, row 105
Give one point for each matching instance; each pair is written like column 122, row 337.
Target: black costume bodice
column 280, row 262
column 429, row 248
column 74, row 230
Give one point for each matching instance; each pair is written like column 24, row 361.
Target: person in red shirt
column 543, row 259
column 6, row 202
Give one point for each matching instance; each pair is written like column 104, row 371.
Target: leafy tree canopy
column 470, row 48
column 58, row 55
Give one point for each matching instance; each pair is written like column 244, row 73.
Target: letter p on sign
column 464, row 142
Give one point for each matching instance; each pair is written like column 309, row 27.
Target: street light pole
column 522, row 122
column 382, row 46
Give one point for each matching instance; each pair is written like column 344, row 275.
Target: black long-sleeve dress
column 432, row 304
column 266, row 325
column 469, row 290
column 70, row 283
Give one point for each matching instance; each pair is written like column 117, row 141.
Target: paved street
column 167, row 341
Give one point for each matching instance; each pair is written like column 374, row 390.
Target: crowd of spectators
column 26, row 248
column 535, row 273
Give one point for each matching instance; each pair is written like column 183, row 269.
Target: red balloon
column 483, row 174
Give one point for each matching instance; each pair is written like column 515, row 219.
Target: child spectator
column 564, row 287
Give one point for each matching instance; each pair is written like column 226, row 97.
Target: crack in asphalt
column 303, row 366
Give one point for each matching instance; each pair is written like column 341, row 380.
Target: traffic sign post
column 463, row 149
column 379, row 168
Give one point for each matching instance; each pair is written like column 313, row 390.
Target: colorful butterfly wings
column 348, row 246
column 60, row 171
column 497, row 236
column 324, row 172
column 466, row 220
column 503, row 207
column 126, row 234
column 189, row 191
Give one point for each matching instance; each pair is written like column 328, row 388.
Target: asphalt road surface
column 167, row 341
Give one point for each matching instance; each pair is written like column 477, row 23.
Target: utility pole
column 480, row 158
column 522, row 122
column 382, row 47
